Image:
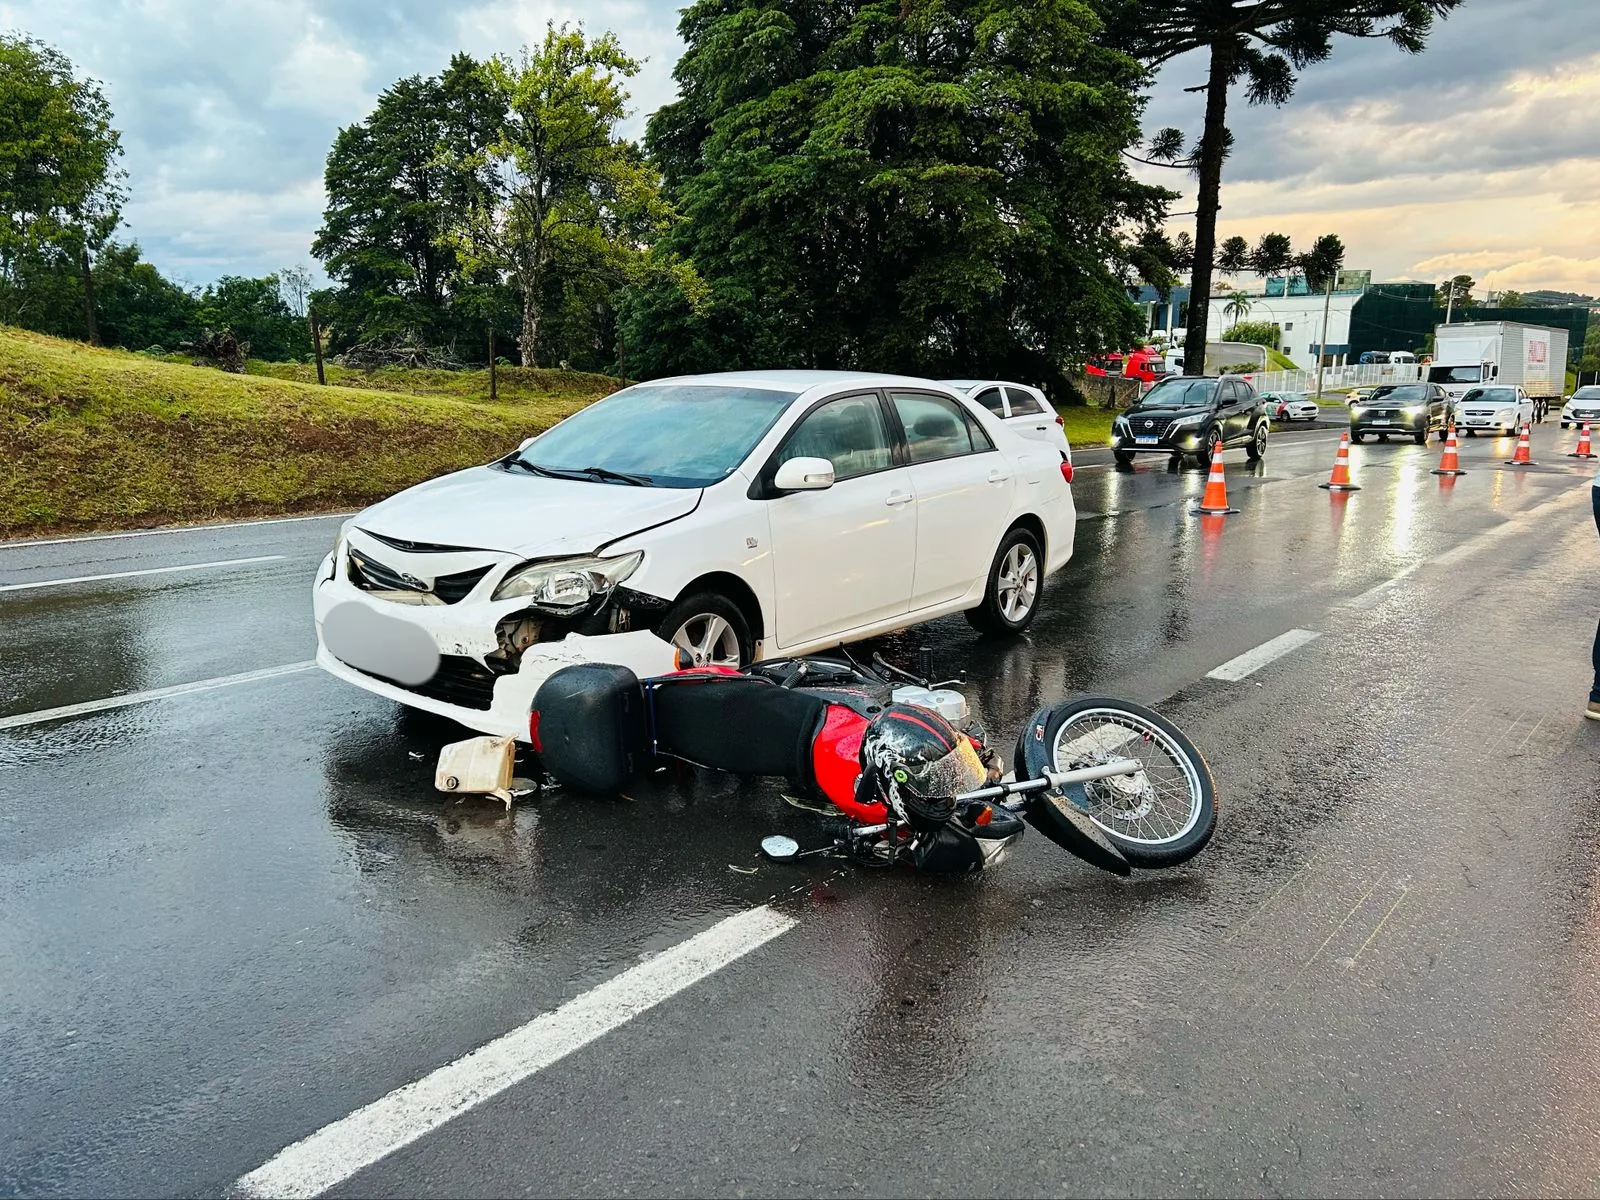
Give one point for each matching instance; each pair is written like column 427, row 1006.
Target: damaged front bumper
column 492, row 655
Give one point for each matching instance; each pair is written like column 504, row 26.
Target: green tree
column 562, row 201
column 254, row 311
column 1262, row 45
column 931, row 186
column 1256, row 333
column 1455, row 293
column 396, row 183
column 61, row 191
column 1510, row 298
column 1236, row 309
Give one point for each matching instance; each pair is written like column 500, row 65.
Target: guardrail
column 1334, row 378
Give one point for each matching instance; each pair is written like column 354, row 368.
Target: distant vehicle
column 1372, row 357
column 1583, row 405
column 1499, row 409
column 1194, row 415
column 1357, row 395
column 1402, row 356
column 1478, row 353
column 1403, row 409
column 1021, row 407
column 1145, row 364
column 1291, row 406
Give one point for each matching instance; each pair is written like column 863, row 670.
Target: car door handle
column 896, row 499
column 999, row 476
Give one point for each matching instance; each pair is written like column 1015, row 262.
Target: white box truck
column 1473, row 354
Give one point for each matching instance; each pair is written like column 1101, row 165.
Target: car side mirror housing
column 804, row 475
column 526, row 442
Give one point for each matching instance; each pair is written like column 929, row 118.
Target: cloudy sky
column 1479, row 156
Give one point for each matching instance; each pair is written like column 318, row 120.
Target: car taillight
column 1061, row 421
column 533, row 732
column 1066, row 468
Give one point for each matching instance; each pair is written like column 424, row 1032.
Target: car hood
column 488, row 509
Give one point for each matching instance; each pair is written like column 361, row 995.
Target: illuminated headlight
column 1415, row 410
column 565, row 585
column 1356, row 410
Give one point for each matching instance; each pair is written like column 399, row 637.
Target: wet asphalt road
column 233, row 917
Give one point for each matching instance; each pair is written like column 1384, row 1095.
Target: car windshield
column 1406, row 393
column 1492, row 395
column 1587, row 393
column 1179, row 393
column 662, row 434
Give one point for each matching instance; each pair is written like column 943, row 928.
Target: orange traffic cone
column 1583, row 450
column 1524, row 455
column 1339, row 481
column 1449, row 463
column 1215, row 501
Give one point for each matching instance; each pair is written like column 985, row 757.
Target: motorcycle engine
column 950, row 705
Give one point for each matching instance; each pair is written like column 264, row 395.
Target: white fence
column 1334, row 378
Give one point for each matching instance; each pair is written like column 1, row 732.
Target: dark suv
column 1405, row 409
column 1192, row 414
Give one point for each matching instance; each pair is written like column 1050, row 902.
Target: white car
column 1582, row 407
column 1023, row 408
column 711, row 520
column 1498, row 408
column 1291, row 406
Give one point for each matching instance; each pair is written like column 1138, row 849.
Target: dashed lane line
column 1251, row 661
column 336, row 1152
column 182, row 689
column 226, row 562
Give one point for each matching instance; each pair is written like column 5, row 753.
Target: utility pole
column 1449, row 300
column 316, row 343
column 1322, row 346
column 88, row 295
column 493, row 393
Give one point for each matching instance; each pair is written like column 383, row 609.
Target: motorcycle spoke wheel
column 1158, row 805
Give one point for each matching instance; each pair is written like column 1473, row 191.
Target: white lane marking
column 1252, row 661
column 1370, row 597
column 179, row 689
column 226, row 562
column 337, row 1151
column 27, row 543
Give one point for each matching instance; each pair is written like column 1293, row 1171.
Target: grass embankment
column 106, row 439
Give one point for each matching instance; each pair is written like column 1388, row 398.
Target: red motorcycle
column 1111, row 781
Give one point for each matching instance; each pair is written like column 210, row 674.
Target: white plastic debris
column 480, row 766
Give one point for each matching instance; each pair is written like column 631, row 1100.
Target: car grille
column 1383, row 414
column 464, row 682
column 370, row 575
column 1586, row 414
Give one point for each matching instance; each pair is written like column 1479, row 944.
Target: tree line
column 933, row 186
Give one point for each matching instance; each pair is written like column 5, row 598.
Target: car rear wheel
column 1256, row 450
column 708, row 630
column 1015, row 587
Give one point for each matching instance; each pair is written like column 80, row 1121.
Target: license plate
column 1146, row 441
column 1477, row 420
column 380, row 645
column 1383, row 421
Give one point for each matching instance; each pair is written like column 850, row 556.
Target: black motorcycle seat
column 735, row 723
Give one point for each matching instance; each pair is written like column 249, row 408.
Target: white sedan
column 1291, row 406
column 1498, row 408
column 1023, row 408
column 712, row 520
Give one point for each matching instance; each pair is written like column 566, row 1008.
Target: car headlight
column 1415, row 410
column 1192, row 419
column 1356, row 410
column 565, row 585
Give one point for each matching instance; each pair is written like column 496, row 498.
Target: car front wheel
column 708, row 630
column 1015, row 587
column 1213, row 447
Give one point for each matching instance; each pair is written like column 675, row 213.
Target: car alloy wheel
column 1018, row 582
column 708, row 640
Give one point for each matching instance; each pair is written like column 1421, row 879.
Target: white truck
column 1475, row 354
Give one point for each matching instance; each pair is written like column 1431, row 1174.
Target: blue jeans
column 1594, row 691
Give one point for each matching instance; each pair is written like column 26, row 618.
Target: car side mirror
column 526, row 442
column 804, row 475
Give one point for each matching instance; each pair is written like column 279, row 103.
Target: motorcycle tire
column 1090, row 729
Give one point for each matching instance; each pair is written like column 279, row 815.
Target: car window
column 849, row 432
column 990, row 399
column 1587, row 393
column 1409, row 391
column 1180, row 393
column 937, row 427
column 1023, row 403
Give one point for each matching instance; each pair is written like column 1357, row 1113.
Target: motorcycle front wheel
column 1162, row 815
